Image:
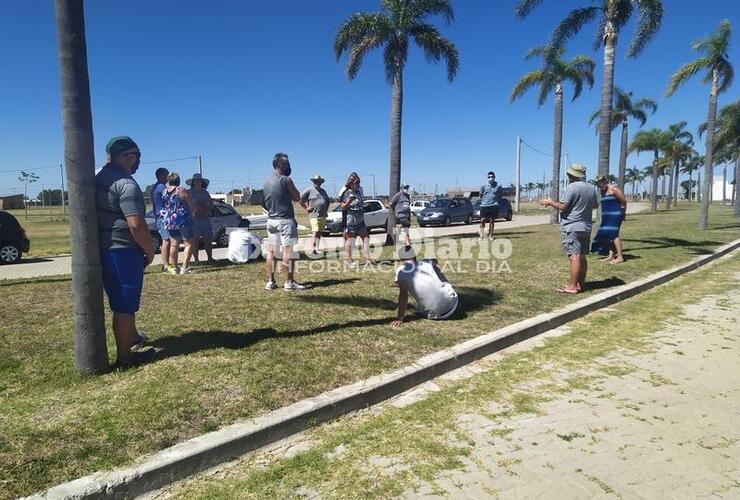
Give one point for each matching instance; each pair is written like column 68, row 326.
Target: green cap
column 120, row 144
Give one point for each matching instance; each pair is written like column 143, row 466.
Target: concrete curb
column 205, row 451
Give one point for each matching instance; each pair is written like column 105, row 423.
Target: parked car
column 13, row 240
column 376, row 216
column 445, row 211
column 417, row 206
column 504, row 210
column 257, row 221
column 222, row 215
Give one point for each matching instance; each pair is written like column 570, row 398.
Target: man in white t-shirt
column 423, row 280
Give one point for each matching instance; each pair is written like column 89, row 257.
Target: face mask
column 491, row 181
column 135, row 167
column 406, row 191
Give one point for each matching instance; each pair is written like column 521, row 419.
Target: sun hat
column 120, row 144
column 317, row 178
column 578, row 171
column 196, row 177
column 405, row 185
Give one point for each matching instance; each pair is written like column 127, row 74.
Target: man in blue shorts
column 125, row 245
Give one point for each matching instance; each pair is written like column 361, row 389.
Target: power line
column 168, row 161
column 535, row 149
column 28, row 169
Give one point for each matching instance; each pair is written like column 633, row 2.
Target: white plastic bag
column 244, row 246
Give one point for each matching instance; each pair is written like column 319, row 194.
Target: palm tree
column 633, row 176
column 393, row 27
column 611, row 16
column 650, row 140
column 625, row 108
column 550, row 78
column 690, row 166
column 91, row 353
column 677, row 149
column 727, row 136
column 530, row 186
column 715, row 61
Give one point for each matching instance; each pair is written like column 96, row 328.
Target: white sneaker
column 186, row 270
column 270, row 285
column 292, row 285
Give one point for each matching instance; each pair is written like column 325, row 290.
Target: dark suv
column 13, row 241
column 445, row 211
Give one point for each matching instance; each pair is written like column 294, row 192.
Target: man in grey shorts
column 423, row 280
column 282, row 228
column 575, row 225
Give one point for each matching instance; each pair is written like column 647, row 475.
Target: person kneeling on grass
column 423, row 280
column 575, row 225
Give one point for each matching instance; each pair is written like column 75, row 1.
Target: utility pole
column 200, row 165
column 43, row 197
column 61, row 173
column 518, row 174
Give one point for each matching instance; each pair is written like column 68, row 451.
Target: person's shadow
column 471, row 299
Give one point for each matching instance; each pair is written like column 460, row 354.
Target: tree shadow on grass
column 354, row 301
column 471, row 300
column 672, row 242
column 328, row 283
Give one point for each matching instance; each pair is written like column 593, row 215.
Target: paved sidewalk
column 53, row 266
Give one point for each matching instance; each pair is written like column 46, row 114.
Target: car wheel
column 9, row 253
column 468, row 220
column 156, row 242
column 447, row 221
column 222, row 239
column 509, row 216
column 422, row 225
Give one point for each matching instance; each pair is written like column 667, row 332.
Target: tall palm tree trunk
column 698, row 186
column 556, row 151
column 737, row 183
column 654, row 186
column 677, row 177
column 607, row 89
column 669, row 196
column 724, row 183
column 691, row 187
column 91, row 354
column 709, row 163
column 395, row 173
column 623, row 155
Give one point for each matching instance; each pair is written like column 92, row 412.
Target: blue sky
column 237, row 81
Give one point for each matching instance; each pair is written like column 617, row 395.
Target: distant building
column 11, row 202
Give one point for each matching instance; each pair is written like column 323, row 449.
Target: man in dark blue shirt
column 157, row 190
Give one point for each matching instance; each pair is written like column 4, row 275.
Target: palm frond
column 356, row 28
column 726, row 75
column 646, row 104
column 596, row 114
column 618, row 12
column 436, row 47
column 685, row 72
column 422, row 8
column 648, row 23
column 529, row 80
column 525, row 8
column 701, row 128
column 572, row 24
column 395, row 55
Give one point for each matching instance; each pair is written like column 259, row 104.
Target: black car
column 13, row 240
column 445, row 211
column 504, row 210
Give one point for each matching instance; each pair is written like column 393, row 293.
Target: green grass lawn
column 231, row 350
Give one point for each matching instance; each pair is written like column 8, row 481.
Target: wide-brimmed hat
column 317, row 178
column 577, row 171
column 405, row 185
column 199, row 177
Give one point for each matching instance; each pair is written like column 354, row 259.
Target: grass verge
column 376, row 456
column 230, row 350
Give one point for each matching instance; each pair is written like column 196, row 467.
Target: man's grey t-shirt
column 355, row 211
column 434, row 298
column 580, row 198
column 277, row 198
column 401, row 203
column 116, row 195
column 317, row 199
column 490, row 195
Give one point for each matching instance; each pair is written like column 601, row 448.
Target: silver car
column 222, row 216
